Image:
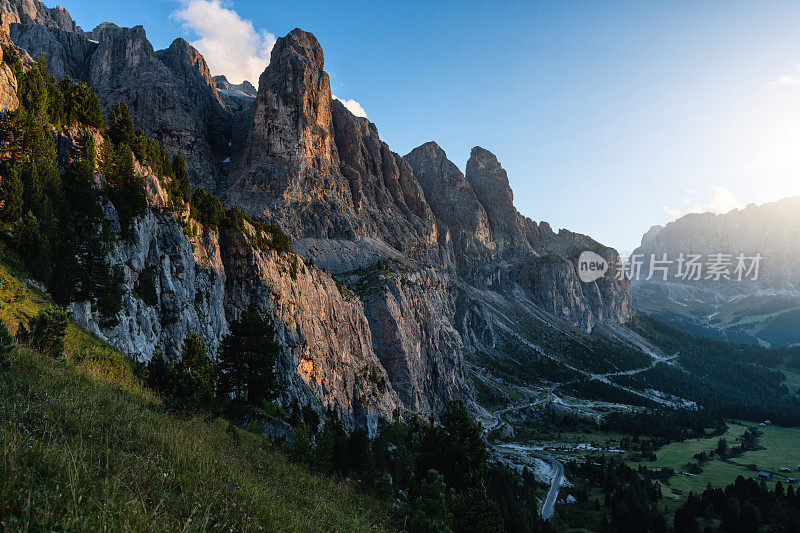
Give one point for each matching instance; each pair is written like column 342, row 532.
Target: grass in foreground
column 84, row 446
column 81, row 453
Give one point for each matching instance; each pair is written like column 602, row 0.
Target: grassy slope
column 84, row 446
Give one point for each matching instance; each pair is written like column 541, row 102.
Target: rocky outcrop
column 383, row 188
column 497, row 248
column 205, row 281
column 245, row 88
column 453, row 202
column 35, row 12
column 490, row 183
column 290, row 163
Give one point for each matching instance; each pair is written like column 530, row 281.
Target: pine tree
column 120, row 125
column 12, row 194
column 34, row 246
column 125, row 189
column 247, row 358
column 194, row 380
column 181, row 189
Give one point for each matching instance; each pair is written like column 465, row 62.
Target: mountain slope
column 84, row 446
column 758, row 311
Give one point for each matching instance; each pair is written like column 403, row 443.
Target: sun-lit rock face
column 419, row 250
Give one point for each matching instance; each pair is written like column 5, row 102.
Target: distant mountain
column 765, row 310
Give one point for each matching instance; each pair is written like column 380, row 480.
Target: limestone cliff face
column 454, row 203
column 496, row 248
column 383, row 188
column 206, row 280
column 289, row 168
column 35, row 12
column 410, row 240
column 8, row 87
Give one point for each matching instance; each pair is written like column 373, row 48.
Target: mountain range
column 410, row 282
column 761, row 308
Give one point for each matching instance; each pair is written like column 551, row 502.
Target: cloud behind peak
column 230, row 44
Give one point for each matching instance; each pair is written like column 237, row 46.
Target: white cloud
column 352, row 106
column 671, row 212
column 720, row 200
column 787, row 80
column 229, row 43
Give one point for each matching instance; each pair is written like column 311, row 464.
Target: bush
column 180, row 189
column 45, row 332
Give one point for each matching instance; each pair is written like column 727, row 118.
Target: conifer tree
column 247, row 358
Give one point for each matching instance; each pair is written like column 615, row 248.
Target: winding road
column 558, row 478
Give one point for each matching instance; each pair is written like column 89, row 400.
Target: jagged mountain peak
column 298, row 44
column 184, row 59
column 35, row 12
column 489, row 180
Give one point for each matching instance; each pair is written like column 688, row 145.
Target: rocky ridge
column 763, row 310
column 416, row 272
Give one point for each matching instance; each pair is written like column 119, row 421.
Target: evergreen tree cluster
column 56, row 217
column 55, row 214
column 208, row 209
column 730, row 380
column 745, row 506
column 243, row 377
column 630, row 501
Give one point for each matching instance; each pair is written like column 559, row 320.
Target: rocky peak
column 35, row 12
column 245, row 88
column 290, row 157
column 120, row 52
column 190, row 68
column 489, row 180
column 490, row 183
column 452, row 200
column 382, row 185
column 292, row 113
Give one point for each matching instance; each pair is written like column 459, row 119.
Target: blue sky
column 609, row 117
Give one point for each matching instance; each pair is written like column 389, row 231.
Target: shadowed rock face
column 170, row 93
column 8, row 87
column 490, row 183
column 412, row 238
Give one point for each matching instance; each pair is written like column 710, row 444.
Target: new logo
column 591, row 266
